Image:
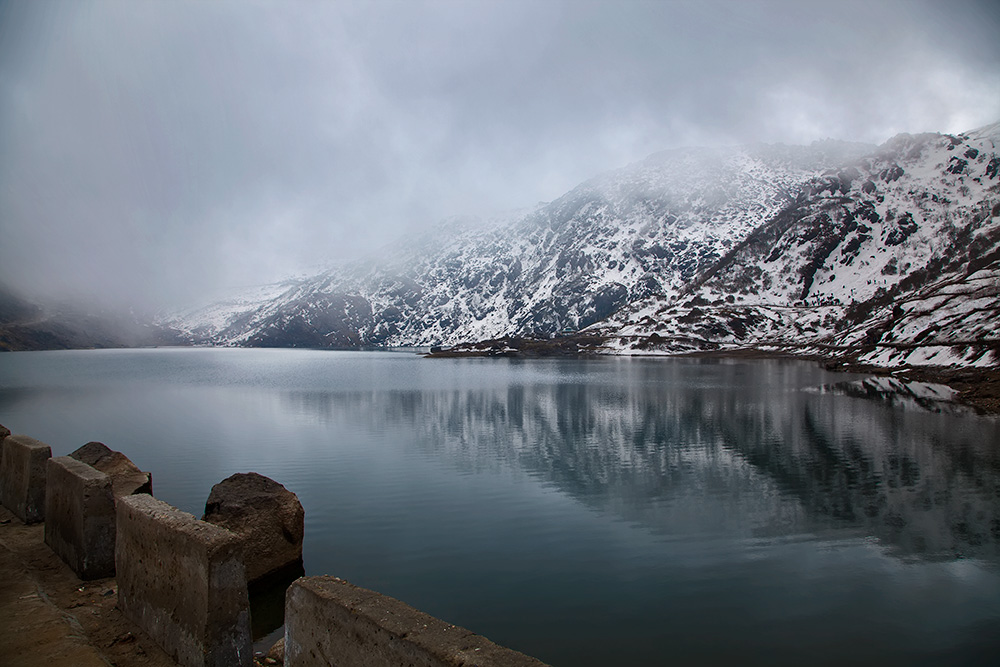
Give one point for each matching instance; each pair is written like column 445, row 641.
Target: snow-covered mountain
column 889, row 254
column 891, row 259
column 646, row 229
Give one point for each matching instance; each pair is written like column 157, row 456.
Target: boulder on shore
column 126, row 478
column 267, row 517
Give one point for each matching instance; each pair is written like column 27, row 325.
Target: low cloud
column 152, row 152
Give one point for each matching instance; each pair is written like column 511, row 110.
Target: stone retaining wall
column 329, row 621
column 182, row 581
column 80, row 517
column 22, row 477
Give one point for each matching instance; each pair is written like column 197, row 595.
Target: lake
column 587, row 512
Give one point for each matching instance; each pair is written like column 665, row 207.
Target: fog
column 154, row 153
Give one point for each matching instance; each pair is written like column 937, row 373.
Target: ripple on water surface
column 587, row 512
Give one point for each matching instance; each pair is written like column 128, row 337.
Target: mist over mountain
column 157, row 154
column 883, row 254
column 27, row 325
column 886, row 255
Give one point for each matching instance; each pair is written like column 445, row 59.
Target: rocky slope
column 892, row 259
column 884, row 255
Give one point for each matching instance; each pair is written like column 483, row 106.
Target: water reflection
column 738, row 449
column 586, row 512
column 902, row 393
column 267, row 604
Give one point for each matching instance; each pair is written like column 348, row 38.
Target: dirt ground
column 49, row 617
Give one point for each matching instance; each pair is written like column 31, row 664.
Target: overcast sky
column 154, row 151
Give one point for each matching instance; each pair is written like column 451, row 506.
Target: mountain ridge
column 645, row 229
column 840, row 250
column 880, row 255
column 892, row 258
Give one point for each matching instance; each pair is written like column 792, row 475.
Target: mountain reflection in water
column 677, row 456
column 588, row 512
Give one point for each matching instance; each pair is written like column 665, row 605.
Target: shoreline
column 976, row 387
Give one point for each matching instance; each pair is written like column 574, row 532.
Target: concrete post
column 22, row 477
column 80, row 517
column 182, row 581
column 4, row 432
column 329, row 621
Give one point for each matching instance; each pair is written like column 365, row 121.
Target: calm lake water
column 598, row 512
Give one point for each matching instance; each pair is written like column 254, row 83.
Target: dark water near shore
column 612, row 511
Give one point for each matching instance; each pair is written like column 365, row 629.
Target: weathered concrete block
column 126, row 478
column 22, row 477
column 268, row 518
column 182, row 581
column 4, row 432
column 329, row 621
column 80, row 517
